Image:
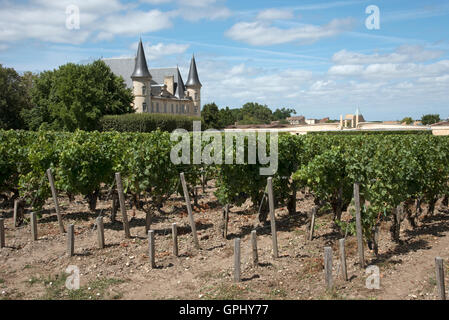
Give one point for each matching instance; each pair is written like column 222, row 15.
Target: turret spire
column 141, row 68
column 180, row 88
column 193, row 79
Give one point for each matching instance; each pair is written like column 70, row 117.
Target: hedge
column 146, row 122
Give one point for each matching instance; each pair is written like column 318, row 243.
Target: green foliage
column 227, row 117
column 430, row 119
column 250, row 113
column 254, row 113
column 238, row 182
column 83, row 163
column 391, row 169
column 326, row 176
column 210, row 116
column 76, row 97
column 146, row 122
column 283, row 113
column 14, row 147
column 407, row 120
column 13, row 99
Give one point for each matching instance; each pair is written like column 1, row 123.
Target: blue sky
column 317, row 57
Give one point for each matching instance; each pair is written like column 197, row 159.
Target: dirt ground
column 36, row 269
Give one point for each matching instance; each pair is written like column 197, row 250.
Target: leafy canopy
column 76, row 96
column 13, row 99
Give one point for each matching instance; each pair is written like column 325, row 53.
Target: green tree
column 283, row 113
column 13, row 99
column 227, row 117
column 210, row 115
column 76, row 97
column 430, row 119
column 407, row 120
column 253, row 113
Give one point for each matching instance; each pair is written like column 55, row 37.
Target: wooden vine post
column 328, row 267
column 2, row 233
column 312, row 224
column 174, row 232
column 358, row 222
column 344, row 271
column 55, row 200
column 121, row 196
column 272, row 217
column 100, row 232
column 226, row 221
column 237, row 275
column 189, row 210
column 254, row 247
column 439, row 269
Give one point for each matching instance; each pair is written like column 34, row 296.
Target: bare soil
column 36, row 269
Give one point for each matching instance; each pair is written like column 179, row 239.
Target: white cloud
column 402, row 54
column 275, row 14
column 100, row 20
column 156, row 1
column 383, row 91
column 45, row 20
column 136, row 22
column 391, row 70
column 259, row 33
column 195, row 10
column 197, row 3
column 194, row 14
column 162, row 50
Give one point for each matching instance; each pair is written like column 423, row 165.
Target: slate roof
column 193, row 79
column 124, row 67
column 141, row 67
column 180, row 89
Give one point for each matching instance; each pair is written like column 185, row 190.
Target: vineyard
column 401, row 177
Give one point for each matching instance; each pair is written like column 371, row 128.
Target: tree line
column 249, row 113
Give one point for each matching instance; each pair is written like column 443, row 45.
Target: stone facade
column 159, row 90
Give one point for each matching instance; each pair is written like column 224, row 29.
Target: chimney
column 169, row 82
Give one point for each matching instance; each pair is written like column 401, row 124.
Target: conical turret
column 193, row 80
column 141, row 68
column 180, row 88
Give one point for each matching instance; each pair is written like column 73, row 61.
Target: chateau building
column 159, row 90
